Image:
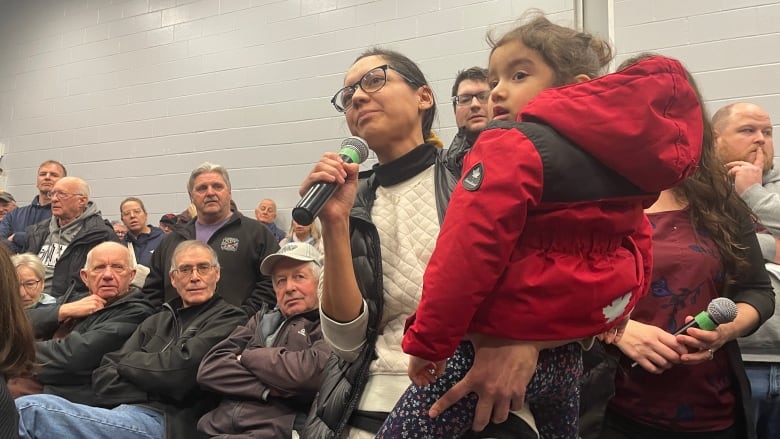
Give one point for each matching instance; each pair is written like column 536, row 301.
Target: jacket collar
column 406, row 166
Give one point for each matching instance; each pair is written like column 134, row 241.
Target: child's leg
column 409, row 418
column 554, row 393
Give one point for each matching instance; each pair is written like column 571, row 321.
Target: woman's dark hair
column 410, row 70
column 713, row 204
column 17, row 352
column 567, row 51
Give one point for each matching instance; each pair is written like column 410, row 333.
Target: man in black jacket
column 75, row 336
column 240, row 242
column 150, row 381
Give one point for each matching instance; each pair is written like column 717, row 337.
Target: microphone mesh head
column 722, row 310
column 358, row 145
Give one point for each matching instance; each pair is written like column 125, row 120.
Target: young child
column 545, row 238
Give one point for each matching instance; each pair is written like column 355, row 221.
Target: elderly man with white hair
column 147, row 388
column 77, row 335
column 63, row 241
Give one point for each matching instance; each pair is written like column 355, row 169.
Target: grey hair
column 265, row 199
column 109, row 244
column 30, row 261
column 191, row 244
column 314, row 267
column 207, row 168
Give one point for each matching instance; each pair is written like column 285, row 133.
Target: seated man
column 150, row 381
column 265, row 212
column 269, row 370
column 72, row 347
column 63, row 241
column 241, row 243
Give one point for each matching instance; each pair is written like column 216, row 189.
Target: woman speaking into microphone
column 378, row 230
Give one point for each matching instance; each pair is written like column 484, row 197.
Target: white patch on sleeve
column 617, row 308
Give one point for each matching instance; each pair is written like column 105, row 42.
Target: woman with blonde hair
column 17, row 352
column 310, row 234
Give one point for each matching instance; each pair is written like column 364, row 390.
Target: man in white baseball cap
column 268, row 371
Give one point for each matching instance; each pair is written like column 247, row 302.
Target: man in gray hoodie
column 744, row 143
column 63, row 241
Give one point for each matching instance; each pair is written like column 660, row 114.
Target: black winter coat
column 343, row 382
column 67, row 363
column 157, row 365
column 241, row 245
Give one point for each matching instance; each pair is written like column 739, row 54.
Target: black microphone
column 353, row 150
column 720, row 310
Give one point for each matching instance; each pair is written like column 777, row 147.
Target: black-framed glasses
column 186, row 270
column 61, row 195
column 30, row 285
column 371, row 82
column 466, row 98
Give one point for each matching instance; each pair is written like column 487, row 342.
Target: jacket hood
column 773, row 175
column 89, row 211
column 154, row 232
column 648, row 112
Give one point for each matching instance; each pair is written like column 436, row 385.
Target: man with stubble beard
column 12, row 227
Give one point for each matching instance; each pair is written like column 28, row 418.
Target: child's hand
column 614, row 334
column 424, row 372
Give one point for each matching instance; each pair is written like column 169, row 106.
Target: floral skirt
column 553, row 396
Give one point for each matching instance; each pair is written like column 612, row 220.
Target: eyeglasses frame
column 359, row 83
column 29, row 287
column 457, row 101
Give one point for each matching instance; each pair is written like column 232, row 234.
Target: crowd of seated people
column 212, row 323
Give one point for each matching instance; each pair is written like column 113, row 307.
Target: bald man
column 63, row 241
column 744, row 142
column 74, row 337
column 265, row 212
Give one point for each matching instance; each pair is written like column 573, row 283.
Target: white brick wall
column 132, row 94
column 730, row 47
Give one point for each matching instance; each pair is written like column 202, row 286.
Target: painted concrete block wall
column 133, row 94
column 731, row 47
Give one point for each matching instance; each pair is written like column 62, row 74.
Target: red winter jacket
column 545, row 238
